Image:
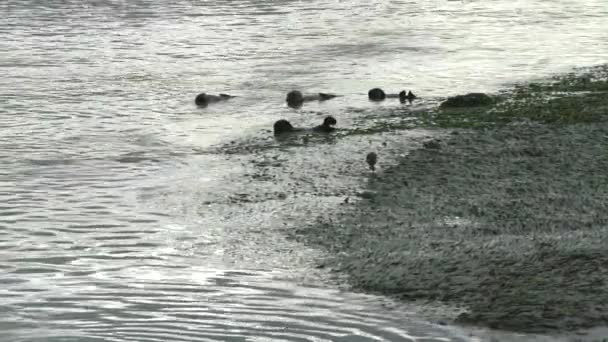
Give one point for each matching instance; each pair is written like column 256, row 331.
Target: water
column 126, row 213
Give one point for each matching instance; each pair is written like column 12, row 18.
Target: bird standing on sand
column 371, row 159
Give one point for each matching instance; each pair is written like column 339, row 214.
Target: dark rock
column 468, row 100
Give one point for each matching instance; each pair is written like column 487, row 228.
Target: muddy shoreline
column 506, row 215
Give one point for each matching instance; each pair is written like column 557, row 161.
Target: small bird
column 371, row 159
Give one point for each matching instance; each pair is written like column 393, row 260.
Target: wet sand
column 507, row 220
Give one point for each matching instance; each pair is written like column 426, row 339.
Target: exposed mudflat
column 509, row 221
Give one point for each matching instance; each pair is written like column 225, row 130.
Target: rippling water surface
column 122, row 220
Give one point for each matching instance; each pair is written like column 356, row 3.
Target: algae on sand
column 565, row 99
column 510, row 220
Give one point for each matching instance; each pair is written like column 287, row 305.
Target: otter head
column 376, row 94
column 282, row 126
column 329, row 121
column 201, row 100
column 294, row 98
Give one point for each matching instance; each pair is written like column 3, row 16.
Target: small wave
column 222, row 306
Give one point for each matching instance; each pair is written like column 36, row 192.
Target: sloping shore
column 506, row 217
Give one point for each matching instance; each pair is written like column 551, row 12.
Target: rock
column 468, row 100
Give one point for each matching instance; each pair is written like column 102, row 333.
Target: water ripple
column 214, row 307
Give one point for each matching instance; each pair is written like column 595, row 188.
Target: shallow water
column 126, row 213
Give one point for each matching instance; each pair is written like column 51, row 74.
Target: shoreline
column 506, row 217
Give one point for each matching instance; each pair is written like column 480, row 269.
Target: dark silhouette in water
column 202, row 99
column 296, row 99
column 372, row 159
column 377, row 94
column 409, row 96
column 326, row 127
column 283, row 126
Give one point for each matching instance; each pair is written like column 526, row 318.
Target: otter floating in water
column 296, row 99
column 377, row 94
column 202, row 99
column 409, row 96
column 283, row 126
column 327, row 125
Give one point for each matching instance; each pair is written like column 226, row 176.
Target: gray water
column 128, row 214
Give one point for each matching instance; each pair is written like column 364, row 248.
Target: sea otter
column 377, row 94
column 283, row 126
column 202, row 99
column 326, row 126
column 295, row 98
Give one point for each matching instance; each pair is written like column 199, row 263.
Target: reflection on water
column 121, row 218
column 198, row 304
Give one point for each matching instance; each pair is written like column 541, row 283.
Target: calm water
column 122, row 220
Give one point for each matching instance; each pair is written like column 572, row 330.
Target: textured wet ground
column 506, row 217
